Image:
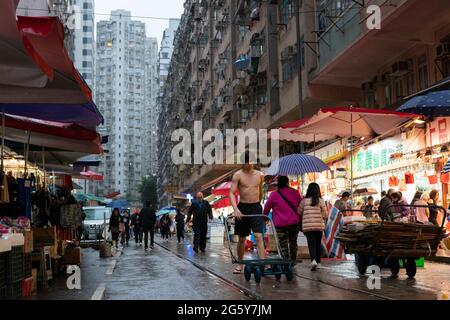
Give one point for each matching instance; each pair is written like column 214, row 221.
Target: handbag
column 293, row 209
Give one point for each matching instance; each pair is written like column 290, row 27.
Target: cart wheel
column 411, row 267
column 247, row 273
column 258, row 274
column 361, row 262
column 394, row 264
column 290, row 273
column 279, row 271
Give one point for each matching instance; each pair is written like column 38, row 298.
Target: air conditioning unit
column 443, row 49
column 245, row 100
column 400, row 68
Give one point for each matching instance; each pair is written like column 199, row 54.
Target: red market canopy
column 93, row 176
column 222, row 190
column 351, row 121
column 222, row 203
column 285, row 133
column 60, row 129
column 39, row 79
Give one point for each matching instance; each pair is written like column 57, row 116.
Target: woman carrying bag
column 314, row 213
column 286, row 219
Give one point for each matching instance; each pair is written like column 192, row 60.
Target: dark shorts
column 244, row 226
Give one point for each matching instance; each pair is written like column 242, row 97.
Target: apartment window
column 87, row 52
column 410, row 83
column 399, row 89
column 87, row 5
column 388, row 93
column 85, row 17
column 87, row 40
column 423, row 72
column 87, row 29
column 370, row 100
column 87, row 64
column 165, row 55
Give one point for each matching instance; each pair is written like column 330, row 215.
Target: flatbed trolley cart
column 387, row 243
column 279, row 266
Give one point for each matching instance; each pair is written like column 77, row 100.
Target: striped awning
column 446, row 167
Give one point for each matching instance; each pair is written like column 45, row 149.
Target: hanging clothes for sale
column 393, row 181
column 24, row 186
column 409, row 178
column 445, row 178
column 4, row 196
column 433, row 179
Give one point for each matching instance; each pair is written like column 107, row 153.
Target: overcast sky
column 146, row 8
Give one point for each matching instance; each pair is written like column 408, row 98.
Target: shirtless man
column 249, row 183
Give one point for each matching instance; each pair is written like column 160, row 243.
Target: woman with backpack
column 314, row 214
column 284, row 205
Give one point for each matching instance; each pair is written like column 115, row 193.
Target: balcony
column 350, row 54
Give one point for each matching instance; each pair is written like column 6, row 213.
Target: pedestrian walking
column 200, row 212
column 114, row 222
column 147, row 219
column 432, row 203
column 179, row 219
column 164, row 223
column 137, row 230
column 284, row 206
column 314, row 214
column 126, row 232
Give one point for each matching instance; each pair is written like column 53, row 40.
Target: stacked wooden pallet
column 390, row 238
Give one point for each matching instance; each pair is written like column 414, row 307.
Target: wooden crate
column 28, row 241
column 43, row 237
column 72, row 256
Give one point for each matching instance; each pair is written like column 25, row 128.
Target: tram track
column 255, row 296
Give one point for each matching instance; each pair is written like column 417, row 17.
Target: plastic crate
column 14, row 290
column 3, row 256
column 420, row 263
column 15, row 265
column 27, row 286
column 27, row 265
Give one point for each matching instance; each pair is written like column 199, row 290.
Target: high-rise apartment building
column 164, row 58
column 122, row 87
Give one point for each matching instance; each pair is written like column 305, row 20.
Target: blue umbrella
column 296, row 164
column 119, row 204
column 166, row 210
column 433, row 104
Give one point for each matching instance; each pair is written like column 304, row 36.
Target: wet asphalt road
column 173, row 271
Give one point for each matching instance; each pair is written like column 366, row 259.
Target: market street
column 173, row 271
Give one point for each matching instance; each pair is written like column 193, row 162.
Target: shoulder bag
column 293, row 209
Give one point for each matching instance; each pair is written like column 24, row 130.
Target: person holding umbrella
column 179, row 219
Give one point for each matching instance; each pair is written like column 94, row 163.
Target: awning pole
column 351, row 157
column 3, row 136
column 43, row 165
column 27, row 150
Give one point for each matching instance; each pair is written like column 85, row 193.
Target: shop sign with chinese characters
column 438, row 132
column 382, row 156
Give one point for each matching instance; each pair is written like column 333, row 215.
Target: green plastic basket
column 420, row 263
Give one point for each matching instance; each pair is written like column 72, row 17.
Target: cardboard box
column 28, row 241
column 72, row 256
column 43, row 237
column 34, row 274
